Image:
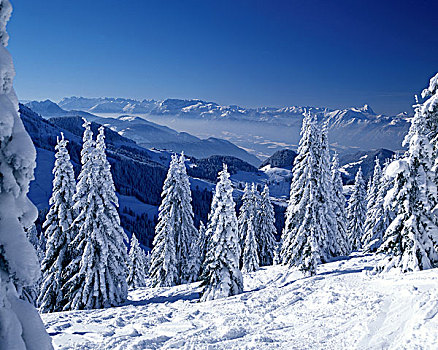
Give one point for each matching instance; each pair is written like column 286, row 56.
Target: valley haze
column 259, row 131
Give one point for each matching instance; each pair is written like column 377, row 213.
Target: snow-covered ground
column 344, row 306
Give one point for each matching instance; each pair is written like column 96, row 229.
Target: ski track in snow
column 344, row 306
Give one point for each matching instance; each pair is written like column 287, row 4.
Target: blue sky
column 246, row 52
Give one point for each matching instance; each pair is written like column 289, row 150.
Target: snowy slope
column 343, row 307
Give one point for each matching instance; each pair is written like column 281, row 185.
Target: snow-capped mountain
column 152, row 135
column 259, row 130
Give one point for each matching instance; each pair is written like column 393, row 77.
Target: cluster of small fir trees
column 86, row 264
column 396, row 215
column 215, row 254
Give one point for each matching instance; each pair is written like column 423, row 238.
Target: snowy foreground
column 344, row 306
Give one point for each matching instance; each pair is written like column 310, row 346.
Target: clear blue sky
column 246, row 52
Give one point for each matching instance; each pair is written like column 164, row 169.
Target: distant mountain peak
column 367, row 109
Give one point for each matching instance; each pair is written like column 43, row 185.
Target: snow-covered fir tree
column 20, row 324
column 266, row 229
column 187, row 238
column 57, row 230
column 372, row 191
column 175, row 256
column 335, row 242
column 373, row 184
column 356, row 212
column 339, row 202
column 164, row 264
column 410, row 242
column 247, row 210
column 303, row 235
column 97, row 274
column 250, row 256
column 429, row 111
column 221, row 275
column 379, row 216
column 137, row 267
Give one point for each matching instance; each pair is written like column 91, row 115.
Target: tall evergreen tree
column 221, row 277
column 250, row 256
column 57, row 230
column 164, row 263
column 247, row 210
column 334, row 242
column 303, row 236
column 266, row 235
column 97, row 273
column 374, row 184
column 175, row 256
column 356, row 212
column 379, row 216
column 429, row 112
column 410, row 242
column 372, row 204
column 339, row 204
column 137, row 265
column 20, row 325
column 187, row 249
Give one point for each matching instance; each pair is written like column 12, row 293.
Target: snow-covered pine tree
column 250, row 255
column 164, row 263
column 429, row 110
column 20, row 325
column 356, row 212
column 117, row 263
column 137, row 272
column 335, row 241
column 303, row 236
column 373, row 185
column 97, row 274
column 339, row 204
column 187, row 235
column 221, row 275
column 175, row 256
column 410, row 242
column 57, row 230
column 373, row 189
column 266, row 229
column 246, row 210
column 380, row 215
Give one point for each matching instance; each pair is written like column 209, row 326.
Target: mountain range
column 260, row 131
column 151, row 135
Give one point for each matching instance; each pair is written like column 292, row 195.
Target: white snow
column 345, row 306
column 395, row 167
